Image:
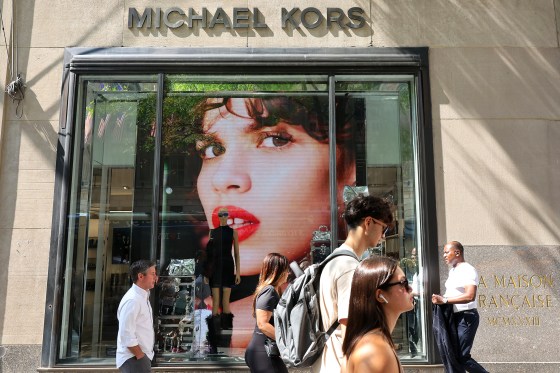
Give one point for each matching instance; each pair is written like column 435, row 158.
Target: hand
column 437, row 299
column 205, row 280
column 138, row 357
column 237, row 279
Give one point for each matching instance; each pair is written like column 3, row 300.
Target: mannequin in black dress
column 220, row 272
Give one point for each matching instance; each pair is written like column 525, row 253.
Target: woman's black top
column 255, row 354
column 267, row 300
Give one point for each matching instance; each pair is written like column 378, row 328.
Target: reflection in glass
column 110, row 171
column 256, row 145
column 385, row 165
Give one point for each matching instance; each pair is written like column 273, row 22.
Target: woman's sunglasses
column 403, row 283
column 222, row 214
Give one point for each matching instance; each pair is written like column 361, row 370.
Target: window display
column 236, row 167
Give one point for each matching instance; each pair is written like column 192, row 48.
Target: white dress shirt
column 461, row 275
column 135, row 324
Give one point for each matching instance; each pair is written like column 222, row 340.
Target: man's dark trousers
column 132, row 365
column 467, row 324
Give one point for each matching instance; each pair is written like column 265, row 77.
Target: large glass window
column 155, row 162
column 110, row 199
column 382, row 159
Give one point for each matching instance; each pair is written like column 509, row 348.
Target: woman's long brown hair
column 273, row 268
column 365, row 312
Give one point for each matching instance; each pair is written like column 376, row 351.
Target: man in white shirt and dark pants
column 460, row 291
column 135, row 341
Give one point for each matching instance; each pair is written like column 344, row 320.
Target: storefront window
column 382, row 156
column 113, row 159
column 156, row 158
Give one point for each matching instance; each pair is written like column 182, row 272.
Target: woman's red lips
column 239, row 219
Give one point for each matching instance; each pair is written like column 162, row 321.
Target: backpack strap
column 322, row 265
column 333, row 255
column 331, row 329
column 341, row 253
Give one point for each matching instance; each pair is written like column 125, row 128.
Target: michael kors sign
column 244, row 18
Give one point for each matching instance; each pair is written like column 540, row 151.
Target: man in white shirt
column 135, row 340
column 367, row 218
column 460, row 291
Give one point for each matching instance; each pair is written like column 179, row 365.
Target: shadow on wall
column 29, row 146
column 501, row 150
column 495, row 81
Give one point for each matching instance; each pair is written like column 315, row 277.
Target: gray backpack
column 297, row 317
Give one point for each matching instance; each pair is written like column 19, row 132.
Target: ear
column 379, row 296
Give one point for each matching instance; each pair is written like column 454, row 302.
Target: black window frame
column 160, row 61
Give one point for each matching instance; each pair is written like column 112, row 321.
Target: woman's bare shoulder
column 372, row 354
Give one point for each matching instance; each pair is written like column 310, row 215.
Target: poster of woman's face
column 267, row 161
column 274, row 181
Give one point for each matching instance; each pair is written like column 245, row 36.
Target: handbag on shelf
column 321, row 235
column 181, row 267
column 320, row 244
column 271, row 348
column 202, row 290
column 168, row 294
column 350, row 192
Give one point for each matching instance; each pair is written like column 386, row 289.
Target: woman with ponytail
column 274, row 273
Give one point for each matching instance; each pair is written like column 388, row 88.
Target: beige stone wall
column 495, row 83
column 496, row 130
column 5, row 234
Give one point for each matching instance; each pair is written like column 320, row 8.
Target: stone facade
column 495, row 89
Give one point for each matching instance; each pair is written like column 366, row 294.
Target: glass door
column 110, row 166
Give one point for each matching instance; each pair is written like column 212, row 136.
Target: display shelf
column 171, row 317
column 175, row 318
column 176, row 325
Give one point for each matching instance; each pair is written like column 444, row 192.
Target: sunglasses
column 404, row 283
column 222, row 214
column 384, row 226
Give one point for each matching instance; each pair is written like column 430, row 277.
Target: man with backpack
column 367, row 218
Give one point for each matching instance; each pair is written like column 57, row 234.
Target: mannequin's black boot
column 227, row 321
column 213, row 336
column 225, row 339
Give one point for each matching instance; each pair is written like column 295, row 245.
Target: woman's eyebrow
column 253, row 127
column 279, row 124
column 208, row 138
column 256, row 126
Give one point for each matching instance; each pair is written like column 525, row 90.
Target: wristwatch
column 444, row 300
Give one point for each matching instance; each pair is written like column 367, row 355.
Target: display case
column 175, row 315
column 320, row 245
column 178, row 333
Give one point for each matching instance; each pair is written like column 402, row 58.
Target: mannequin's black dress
column 221, row 272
